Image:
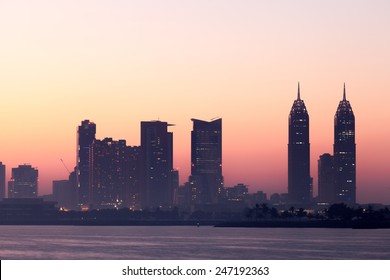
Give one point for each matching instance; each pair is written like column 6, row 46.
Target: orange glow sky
column 120, row 62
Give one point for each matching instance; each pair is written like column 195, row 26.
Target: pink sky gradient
column 120, row 62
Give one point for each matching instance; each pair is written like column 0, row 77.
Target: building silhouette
column 2, row 181
column 108, row 173
column 85, row 136
column 344, row 149
column 206, row 180
column 157, row 164
column 74, row 187
column 326, row 189
column 299, row 180
column 238, row 192
column 63, row 194
column 24, row 182
column 133, row 172
column 27, row 210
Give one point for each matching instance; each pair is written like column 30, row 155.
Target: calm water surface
column 188, row 242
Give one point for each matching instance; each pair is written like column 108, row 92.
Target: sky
column 118, row 63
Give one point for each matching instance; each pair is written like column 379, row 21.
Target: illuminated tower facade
column 24, row 182
column 299, row 179
column 206, row 179
column 157, row 164
column 108, row 173
column 344, row 149
column 85, row 136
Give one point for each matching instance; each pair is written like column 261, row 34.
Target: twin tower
column 340, row 177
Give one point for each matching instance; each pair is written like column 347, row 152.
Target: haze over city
column 118, row 63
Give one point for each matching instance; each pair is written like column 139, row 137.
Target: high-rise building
column 2, row 181
column 206, row 180
column 85, row 136
column 326, row 191
column 133, row 172
column 63, row 194
column 108, row 173
column 345, row 152
column 157, row 164
column 72, row 179
column 24, row 182
column 299, row 179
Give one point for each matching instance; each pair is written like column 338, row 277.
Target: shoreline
column 214, row 223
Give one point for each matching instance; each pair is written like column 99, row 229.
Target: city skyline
column 117, row 63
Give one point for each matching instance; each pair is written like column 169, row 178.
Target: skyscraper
column 24, row 182
column 2, row 181
column 133, row 173
column 85, row 136
column 206, row 179
column 298, row 153
column 345, row 152
column 157, row 164
column 108, row 173
column 326, row 191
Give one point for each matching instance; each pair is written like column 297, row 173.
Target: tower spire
column 299, row 93
column 344, row 94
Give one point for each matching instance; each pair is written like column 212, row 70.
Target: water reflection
column 170, row 242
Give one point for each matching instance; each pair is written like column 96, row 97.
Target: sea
column 191, row 243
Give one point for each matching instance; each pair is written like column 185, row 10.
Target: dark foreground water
column 189, row 242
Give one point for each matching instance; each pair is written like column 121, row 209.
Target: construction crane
column 63, row 163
